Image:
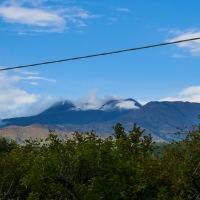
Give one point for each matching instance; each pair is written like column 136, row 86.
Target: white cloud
column 89, row 101
column 92, row 101
column 191, row 94
column 127, row 105
column 15, row 101
column 195, row 90
column 30, row 16
column 43, row 102
column 142, row 102
column 123, row 9
column 191, row 46
column 39, row 16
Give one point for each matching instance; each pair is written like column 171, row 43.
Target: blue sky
column 34, row 31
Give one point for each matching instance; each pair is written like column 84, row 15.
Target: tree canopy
column 122, row 166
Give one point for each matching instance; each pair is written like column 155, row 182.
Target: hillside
column 161, row 119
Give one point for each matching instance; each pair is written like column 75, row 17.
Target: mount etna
column 161, row 119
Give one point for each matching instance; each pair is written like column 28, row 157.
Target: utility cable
column 100, row 54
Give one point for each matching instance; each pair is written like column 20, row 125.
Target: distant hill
column 22, row 133
column 163, row 119
column 159, row 118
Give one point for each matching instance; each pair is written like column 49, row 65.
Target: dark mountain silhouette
column 66, row 112
column 163, row 118
column 159, row 118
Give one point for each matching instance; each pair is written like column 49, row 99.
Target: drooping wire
column 99, row 54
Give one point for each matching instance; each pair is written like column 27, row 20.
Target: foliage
column 122, row 166
column 6, row 145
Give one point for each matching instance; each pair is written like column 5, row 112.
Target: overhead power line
column 99, row 54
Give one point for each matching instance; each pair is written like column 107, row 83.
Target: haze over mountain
column 161, row 119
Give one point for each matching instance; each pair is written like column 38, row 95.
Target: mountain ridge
column 159, row 118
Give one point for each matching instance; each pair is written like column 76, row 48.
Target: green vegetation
column 124, row 166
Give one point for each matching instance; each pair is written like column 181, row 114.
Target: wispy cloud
column 38, row 78
column 39, row 16
column 192, row 47
column 191, row 94
column 34, row 83
column 23, row 2
column 123, row 9
column 176, row 55
column 17, row 78
column 27, row 72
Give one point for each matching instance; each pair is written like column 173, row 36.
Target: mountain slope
column 163, row 118
column 159, row 118
column 66, row 112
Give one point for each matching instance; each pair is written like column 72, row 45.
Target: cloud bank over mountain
column 16, row 101
column 190, row 94
column 92, row 101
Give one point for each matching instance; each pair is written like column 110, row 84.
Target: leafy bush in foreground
column 122, row 166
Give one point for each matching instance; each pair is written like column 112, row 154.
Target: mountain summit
column 65, row 112
column 125, row 104
column 61, row 106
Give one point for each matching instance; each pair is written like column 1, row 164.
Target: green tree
column 126, row 165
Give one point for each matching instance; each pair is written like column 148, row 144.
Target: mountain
column 163, row 119
column 62, row 106
column 159, row 118
column 65, row 112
